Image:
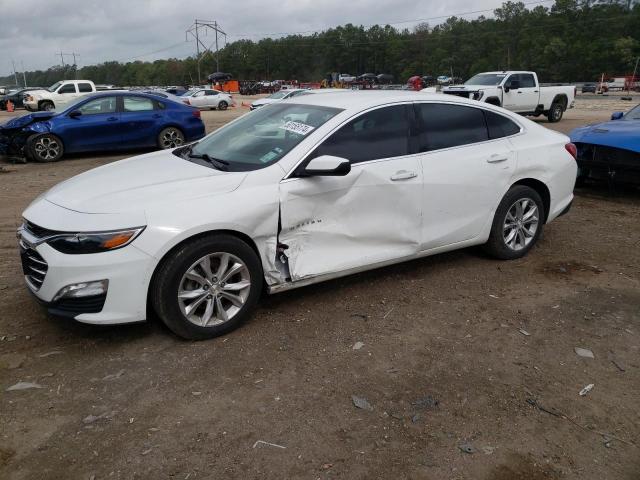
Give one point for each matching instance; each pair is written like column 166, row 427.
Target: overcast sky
column 33, row 32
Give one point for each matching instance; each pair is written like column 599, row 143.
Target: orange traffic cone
column 10, row 107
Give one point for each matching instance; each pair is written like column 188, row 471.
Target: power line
column 194, row 31
column 399, row 22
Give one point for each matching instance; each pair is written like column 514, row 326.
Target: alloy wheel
column 214, row 289
column 171, row 138
column 46, row 148
column 520, row 224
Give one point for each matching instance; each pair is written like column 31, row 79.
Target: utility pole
column 15, row 75
column 24, row 74
column 75, row 65
column 194, row 31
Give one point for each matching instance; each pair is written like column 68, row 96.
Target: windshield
column 55, row 86
column 280, row 94
column 633, row 114
column 486, row 79
column 264, row 136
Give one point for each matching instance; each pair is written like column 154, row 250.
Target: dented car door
column 372, row 215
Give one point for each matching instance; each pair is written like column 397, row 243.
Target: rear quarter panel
column 541, row 155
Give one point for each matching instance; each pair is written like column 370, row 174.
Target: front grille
column 458, row 93
column 39, row 231
column 77, row 306
column 34, row 266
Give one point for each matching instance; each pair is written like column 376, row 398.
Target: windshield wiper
column 216, row 162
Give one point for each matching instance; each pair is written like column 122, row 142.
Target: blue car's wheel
column 45, row 147
column 170, row 137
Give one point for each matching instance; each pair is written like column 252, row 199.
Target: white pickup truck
column 517, row 91
column 58, row 95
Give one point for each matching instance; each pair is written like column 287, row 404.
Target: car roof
column 363, row 99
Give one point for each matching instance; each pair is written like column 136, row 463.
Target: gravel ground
column 465, row 366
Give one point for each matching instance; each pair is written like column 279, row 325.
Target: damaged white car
column 292, row 194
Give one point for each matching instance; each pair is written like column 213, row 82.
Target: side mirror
column 617, row 115
column 75, row 114
column 327, row 166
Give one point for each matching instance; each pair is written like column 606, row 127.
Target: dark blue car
column 102, row 122
column 610, row 150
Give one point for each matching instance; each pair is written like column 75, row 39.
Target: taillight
column 196, row 113
column 572, row 149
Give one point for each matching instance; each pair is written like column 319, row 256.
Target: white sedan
column 292, row 194
column 208, row 98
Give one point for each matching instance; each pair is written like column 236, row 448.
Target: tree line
column 567, row 42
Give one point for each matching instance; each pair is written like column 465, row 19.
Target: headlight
column 94, row 242
column 478, row 95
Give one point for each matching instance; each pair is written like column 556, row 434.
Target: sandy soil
column 460, row 352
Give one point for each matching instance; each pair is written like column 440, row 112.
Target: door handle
column 495, row 158
column 403, row 175
column 112, row 119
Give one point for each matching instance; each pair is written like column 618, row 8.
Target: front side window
column 68, row 88
column 633, row 114
column 84, row 87
column 99, row 105
column 381, row 133
column 443, row 125
column 137, row 104
column 263, row 137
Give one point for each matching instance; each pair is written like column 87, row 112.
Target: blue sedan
column 102, row 122
column 610, row 150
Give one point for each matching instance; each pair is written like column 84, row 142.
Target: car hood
column 264, row 101
column 141, row 182
column 623, row 134
column 24, row 120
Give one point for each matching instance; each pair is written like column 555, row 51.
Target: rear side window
column 68, row 88
column 210, row 93
column 443, row 126
column 84, row 87
column 500, row 126
column 137, row 104
column 527, row 81
column 381, row 133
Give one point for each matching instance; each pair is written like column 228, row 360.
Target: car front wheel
column 207, row 287
column 517, row 224
column 44, row 148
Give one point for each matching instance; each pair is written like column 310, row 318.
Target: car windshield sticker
column 297, row 127
column 267, row 157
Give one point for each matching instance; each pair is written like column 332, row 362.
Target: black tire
column 47, row 106
column 44, row 148
column 223, row 105
column 497, row 246
column 170, row 277
column 170, row 137
column 555, row 112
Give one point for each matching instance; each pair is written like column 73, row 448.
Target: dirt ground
column 467, row 363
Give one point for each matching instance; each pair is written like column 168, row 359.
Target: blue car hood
column 25, row 120
column 624, row 134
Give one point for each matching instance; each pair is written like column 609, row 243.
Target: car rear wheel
column 207, row 287
column 555, row 113
column 223, row 105
column 517, row 224
column 170, row 137
column 44, row 148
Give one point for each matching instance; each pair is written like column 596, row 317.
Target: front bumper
column 128, row 271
